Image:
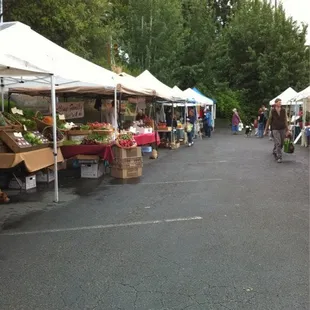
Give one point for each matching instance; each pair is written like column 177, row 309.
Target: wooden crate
column 10, row 140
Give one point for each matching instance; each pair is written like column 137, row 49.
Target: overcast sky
column 300, row 11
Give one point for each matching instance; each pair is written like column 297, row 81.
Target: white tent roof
column 285, row 97
column 129, row 84
column 177, row 92
column 162, row 91
column 25, row 51
column 197, row 97
column 304, row 94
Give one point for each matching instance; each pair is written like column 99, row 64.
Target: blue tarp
column 200, row 93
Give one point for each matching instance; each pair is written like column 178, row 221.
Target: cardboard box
column 125, row 163
column 26, row 183
column 45, row 176
column 92, row 171
column 126, row 153
column 88, row 159
column 126, row 173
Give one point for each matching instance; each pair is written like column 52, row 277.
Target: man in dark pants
column 207, row 123
column 279, row 124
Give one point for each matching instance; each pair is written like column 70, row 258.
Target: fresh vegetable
column 84, row 127
column 126, row 140
column 100, row 126
column 96, row 139
column 35, row 138
column 48, row 120
column 2, row 120
column 70, row 142
column 48, row 134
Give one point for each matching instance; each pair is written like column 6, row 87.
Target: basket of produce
column 42, row 121
column 96, row 139
column 148, row 122
column 4, row 123
column 101, row 128
column 48, row 134
column 126, row 141
column 11, row 121
column 21, row 121
column 83, row 130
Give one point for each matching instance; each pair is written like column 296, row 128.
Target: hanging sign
column 70, row 110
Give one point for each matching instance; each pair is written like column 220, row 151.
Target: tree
column 199, row 34
column 82, row 27
column 153, row 36
column 262, row 52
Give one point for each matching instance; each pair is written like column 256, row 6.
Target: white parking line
column 48, row 231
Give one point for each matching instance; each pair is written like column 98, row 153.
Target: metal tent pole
column 115, row 109
column 2, row 95
column 53, row 97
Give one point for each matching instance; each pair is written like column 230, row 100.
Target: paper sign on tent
column 17, row 111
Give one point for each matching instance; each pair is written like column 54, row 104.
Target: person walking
column 207, row 122
column 279, row 124
column 191, row 120
column 261, row 122
column 235, row 121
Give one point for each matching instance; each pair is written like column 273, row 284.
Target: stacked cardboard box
column 91, row 166
column 128, row 163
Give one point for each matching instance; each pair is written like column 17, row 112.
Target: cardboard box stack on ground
column 25, row 183
column 128, row 163
column 45, row 175
column 91, row 166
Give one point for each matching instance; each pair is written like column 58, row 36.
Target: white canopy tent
column 162, row 91
column 302, row 98
column 285, row 97
column 304, row 94
column 28, row 57
column 199, row 99
column 20, row 42
column 129, row 84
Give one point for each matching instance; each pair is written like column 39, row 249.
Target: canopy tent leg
column 115, row 110
column 2, row 95
column 53, row 97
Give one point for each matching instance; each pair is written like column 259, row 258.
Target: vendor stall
column 103, row 151
column 147, row 138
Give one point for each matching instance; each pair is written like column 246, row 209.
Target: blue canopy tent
column 213, row 106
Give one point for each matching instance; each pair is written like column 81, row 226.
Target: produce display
column 48, row 134
column 84, row 127
column 35, row 138
column 2, row 121
column 20, row 140
column 96, row 139
column 70, row 143
column 126, row 140
column 148, row 122
column 100, row 126
column 162, row 125
column 28, row 123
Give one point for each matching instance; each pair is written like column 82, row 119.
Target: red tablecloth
column 105, row 152
column 147, row 138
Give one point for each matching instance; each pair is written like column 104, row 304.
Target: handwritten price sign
column 71, row 110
